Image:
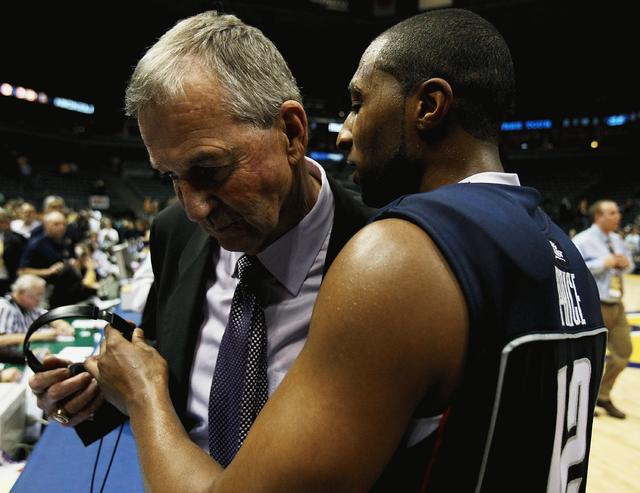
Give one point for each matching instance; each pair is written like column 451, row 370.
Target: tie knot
column 247, row 267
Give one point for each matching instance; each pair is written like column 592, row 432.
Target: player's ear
column 433, row 99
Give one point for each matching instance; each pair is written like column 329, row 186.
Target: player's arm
column 388, row 330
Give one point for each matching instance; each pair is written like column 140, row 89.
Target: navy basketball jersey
column 521, row 418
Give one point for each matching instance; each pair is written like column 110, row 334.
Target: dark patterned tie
column 239, row 388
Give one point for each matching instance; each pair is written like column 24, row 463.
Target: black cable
column 95, row 465
column 113, row 454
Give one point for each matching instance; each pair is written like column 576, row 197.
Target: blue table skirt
column 60, row 463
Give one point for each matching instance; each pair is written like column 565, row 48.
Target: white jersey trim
column 506, row 351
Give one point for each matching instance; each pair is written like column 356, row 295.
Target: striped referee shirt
column 15, row 319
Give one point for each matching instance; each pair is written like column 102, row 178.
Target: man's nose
column 198, row 203
column 344, row 139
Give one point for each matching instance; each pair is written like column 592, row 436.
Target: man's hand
column 10, row 375
column 621, row 261
column 54, row 269
column 56, row 384
column 128, row 373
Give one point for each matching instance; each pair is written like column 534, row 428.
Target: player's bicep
column 383, row 335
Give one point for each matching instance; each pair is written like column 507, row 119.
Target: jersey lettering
column 569, row 299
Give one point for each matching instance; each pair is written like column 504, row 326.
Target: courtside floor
column 615, row 447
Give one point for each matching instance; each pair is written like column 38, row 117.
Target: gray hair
column 245, row 63
column 27, row 282
column 51, row 200
column 53, row 216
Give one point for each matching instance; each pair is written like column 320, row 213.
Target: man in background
column 18, row 310
column 608, row 259
column 27, row 220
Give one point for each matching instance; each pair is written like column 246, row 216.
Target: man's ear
column 433, row 99
column 295, row 127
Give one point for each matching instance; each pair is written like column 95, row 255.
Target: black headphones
column 78, row 311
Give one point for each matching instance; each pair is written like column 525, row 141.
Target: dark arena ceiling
column 571, row 57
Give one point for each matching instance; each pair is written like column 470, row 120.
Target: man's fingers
column 50, row 362
column 86, row 413
column 61, row 390
column 138, row 335
column 78, row 403
column 41, row 381
column 91, row 365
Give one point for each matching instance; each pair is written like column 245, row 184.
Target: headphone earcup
column 76, row 368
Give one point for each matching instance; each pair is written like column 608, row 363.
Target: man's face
column 30, row 299
column 373, row 134
column 609, row 217
column 28, row 213
column 231, row 178
column 5, row 224
column 56, row 226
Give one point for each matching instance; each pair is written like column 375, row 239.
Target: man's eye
column 355, row 107
column 167, row 176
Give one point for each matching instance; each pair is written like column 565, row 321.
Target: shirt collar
column 291, row 256
column 495, row 177
column 599, row 232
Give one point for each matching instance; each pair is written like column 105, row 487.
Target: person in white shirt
column 27, row 221
column 608, row 259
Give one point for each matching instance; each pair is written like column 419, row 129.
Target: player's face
column 373, row 135
column 230, row 177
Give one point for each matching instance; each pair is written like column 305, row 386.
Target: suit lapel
column 196, row 249
column 350, row 215
column 182, row 324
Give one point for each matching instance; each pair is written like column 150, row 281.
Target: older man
column 221, row 116
column 21, row 307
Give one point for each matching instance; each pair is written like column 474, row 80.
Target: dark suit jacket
column 14, row 245
column 182, row 255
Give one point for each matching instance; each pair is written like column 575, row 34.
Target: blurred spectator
column 53, row 203
column 608, row 258
column 50, row 256
column 26, row 221
column 78, row 226
column 104, row 266
column 11, row 246
column 19, row 309
column 127, row 229
column 108, row 235
column 50, row 203
column 150, row 208
column 583, row 218
column 86, row 266
column 24, row 166
column 632, row 240
column 134, row 295
column 68, row 168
